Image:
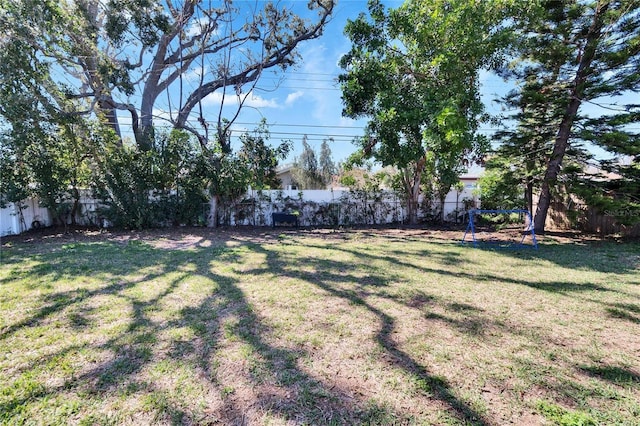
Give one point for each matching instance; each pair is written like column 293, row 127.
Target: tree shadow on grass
column 484, row 275
column 428, row 382
column 622, row 313
column 284, row 389
column 225, row 312
column 600, row 256
column 615, row 374
column 56, row 302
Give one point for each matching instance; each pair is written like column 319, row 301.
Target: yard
column 317, row 327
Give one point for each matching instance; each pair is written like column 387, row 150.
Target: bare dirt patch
column 195, row 237
column 192, row 237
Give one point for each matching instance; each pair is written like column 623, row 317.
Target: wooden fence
column 577, row 215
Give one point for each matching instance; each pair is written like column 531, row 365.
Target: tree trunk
column 111, row 117
column 76, row 205
column 562, row 138
column 528, row 195
column 412, row 188
column 212, row 219
column 412, row 208
column 555, row 163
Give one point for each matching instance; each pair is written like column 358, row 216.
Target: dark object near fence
column 284, row 218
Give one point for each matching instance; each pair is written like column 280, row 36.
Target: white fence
column 313, row 207
column 15, row 220
column 336, row 207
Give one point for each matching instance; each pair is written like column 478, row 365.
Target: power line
column 298, row 88
column 324, row 126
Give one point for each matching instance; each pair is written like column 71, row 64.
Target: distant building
column 286, row 177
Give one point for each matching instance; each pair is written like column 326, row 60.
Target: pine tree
column 326, row 164
column 305, row 172
column 573, row 53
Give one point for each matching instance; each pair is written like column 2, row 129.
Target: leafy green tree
column 230, row 174
column 413, row 72
column 516, row 167
column 158, row 187
column 500, row 187
column 39, row 148
column 42, row 153
column 572, row 54
column 260, row 159
column 14, row 177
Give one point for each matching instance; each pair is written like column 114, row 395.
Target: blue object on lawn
column 471, row 228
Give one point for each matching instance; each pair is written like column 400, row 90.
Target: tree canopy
column 413, row 72
column 572, row 57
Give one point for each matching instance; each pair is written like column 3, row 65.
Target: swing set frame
column 475, row 242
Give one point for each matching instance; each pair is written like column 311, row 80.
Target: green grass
column 350, row 327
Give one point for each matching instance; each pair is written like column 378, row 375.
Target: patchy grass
column 356, row 327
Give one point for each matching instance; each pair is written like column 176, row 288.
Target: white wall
column 12, row 222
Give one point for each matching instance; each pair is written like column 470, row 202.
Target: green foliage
column 325, row 162
column 14, row 179
column 570, row 54
column 367, row 199
column 306, row 172
column 413, row 72
column 34, row 159
column 229, row 174
column 47, row 161
column 500, row 187
column 261, row 160
column 159, row 187
column 563, row 417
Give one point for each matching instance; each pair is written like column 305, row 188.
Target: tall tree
column 306, row 173
column 325, row 163
column 114, row 60
column 260, row 159
column 413, row 72
column 515, row 168
column 230, row 173
column 42, row 153
column 122, row 55
column 590, row 52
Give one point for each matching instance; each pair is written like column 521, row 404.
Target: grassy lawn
column 353, row 327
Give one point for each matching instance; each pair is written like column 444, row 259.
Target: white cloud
column 292, row 97
column 194, row 74
column 197, row 26
column 260, row 102
column 253, row 100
